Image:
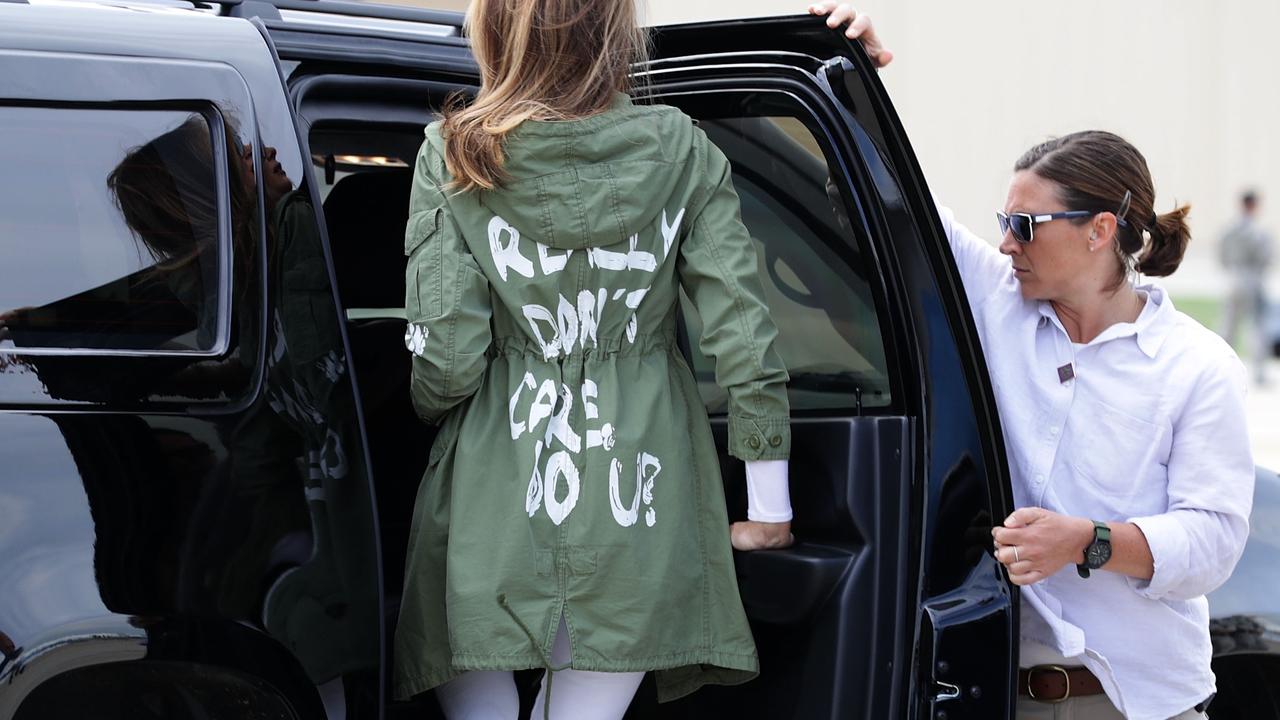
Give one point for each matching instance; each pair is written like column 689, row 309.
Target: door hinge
column 835, row 67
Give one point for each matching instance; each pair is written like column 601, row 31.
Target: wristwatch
column 1098, row 552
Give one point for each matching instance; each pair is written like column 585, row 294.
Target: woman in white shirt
column 1124, row 424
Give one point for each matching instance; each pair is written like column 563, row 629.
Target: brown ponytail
column 539, row 60
column 1094, row 170
column 1168, row 243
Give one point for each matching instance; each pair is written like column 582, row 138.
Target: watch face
column 1098, row 555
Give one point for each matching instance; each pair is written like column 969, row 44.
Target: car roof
column 116, row 28
column 296, row 14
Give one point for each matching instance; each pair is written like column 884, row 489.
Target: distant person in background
column 1246, row 254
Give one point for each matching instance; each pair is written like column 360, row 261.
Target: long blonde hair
column 539, row 60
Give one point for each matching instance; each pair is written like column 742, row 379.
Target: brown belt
column 1053, row 683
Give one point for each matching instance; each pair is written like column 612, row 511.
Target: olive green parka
column 574, row 473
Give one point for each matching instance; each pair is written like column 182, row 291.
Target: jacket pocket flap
column 422, row 225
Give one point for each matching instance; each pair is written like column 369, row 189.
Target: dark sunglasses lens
column 1021, row 227
column 1018, row 224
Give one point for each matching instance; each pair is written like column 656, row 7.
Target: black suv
column 209, row 457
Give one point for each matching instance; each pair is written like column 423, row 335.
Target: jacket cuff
column 1167, row 540
column 765, row 438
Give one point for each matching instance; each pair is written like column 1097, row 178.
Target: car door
column 890, row 604
column 898, row 463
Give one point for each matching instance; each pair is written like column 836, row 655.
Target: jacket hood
column 592, row 182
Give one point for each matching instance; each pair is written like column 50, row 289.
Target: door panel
column 814, row 607
column 935, row 373
column 967, row 621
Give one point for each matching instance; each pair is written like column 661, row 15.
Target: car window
column 814, row 271
column 110, row 226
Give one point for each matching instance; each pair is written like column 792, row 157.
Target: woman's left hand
column 1035, row 543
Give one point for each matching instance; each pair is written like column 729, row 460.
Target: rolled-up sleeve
column 1198, row 540
column 718, row 270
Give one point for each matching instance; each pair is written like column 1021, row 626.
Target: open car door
column 890, row 604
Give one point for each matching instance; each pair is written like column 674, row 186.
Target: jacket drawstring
column 546, row 659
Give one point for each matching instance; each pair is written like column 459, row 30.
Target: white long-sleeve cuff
column 768, row 491
column 1194, row 552
column 1167, row 540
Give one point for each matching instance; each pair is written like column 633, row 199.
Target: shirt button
column 1039, row 479
column 776, row 440
column 1053, row 432
column 753, row 442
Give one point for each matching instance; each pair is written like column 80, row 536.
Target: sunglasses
column 1023, row 225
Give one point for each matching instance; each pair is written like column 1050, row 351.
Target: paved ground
column 1264, row 419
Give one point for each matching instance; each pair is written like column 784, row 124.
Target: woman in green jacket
column 572, row 514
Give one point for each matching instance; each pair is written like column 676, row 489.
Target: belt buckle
column 1048, row 668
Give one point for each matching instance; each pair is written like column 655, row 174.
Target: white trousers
column 575, row 694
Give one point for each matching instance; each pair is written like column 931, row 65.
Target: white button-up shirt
column 1148, row 427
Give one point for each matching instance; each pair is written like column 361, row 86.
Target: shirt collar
column 1156, row 320
column 1149, row 330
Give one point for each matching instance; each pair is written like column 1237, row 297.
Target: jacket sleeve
column 717, row 268
column 1198, row 541
column 447, row 301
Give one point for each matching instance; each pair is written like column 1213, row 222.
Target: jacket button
column 776, row 440
column 753, row 442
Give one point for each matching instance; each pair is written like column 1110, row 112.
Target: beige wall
column 1196, row 87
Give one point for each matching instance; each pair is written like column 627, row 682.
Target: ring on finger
column 1015, row 554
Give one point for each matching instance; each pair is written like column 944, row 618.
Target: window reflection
column 111, row 229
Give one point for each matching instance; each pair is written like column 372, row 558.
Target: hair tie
column 1155, row 219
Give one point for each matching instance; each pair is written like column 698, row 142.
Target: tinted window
column 109, row 229
column 816, row 277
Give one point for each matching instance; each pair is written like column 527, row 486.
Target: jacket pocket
column 424, row 273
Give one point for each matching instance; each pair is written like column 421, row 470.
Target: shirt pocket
column 424, row 273
column 1119, row 459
